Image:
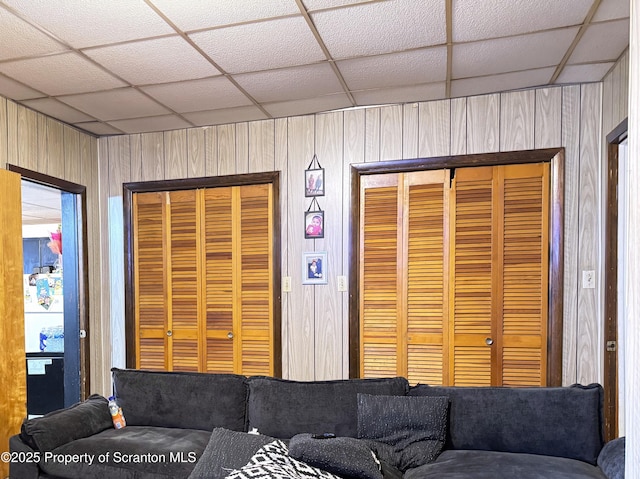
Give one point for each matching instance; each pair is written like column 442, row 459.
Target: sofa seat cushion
column 462, row 464
column 181, row 399
column 282, row 408
column 134, row 452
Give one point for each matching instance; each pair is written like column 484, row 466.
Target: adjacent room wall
column 315, row 318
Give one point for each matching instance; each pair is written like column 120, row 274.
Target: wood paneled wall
column 36, row 142
column 315, row 318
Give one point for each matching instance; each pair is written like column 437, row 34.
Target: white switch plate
column 286, row 284
column 342, row 283
column 588, row 279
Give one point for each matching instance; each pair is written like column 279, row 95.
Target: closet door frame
column 129, row 189
column 554, row 156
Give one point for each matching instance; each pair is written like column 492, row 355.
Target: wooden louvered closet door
column 202, row 275
column 454, row 275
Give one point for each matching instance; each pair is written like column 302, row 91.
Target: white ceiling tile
column 311, row 105
column 592, row 72
column 481, row 19
column 612, row 9
column 153, row 123
column 225, row 115
column 60, row 74
column 56, row 109
column 20, row 40
column 198, row 95
column 426, row 65
column 98, row 128
column 591, row 48
column 15, row 90
column 322, row 4
column 213, row 13
column 95, row 22
column 403, row 94
column 290, row 83
column 511, row 54
column 154, row 61
column 115, row 104
column 266, row 45
column 503, row 82
column 382, row 27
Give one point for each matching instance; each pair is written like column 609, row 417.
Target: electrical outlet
column 286, row 284
column 588, row 279
column 342, row 283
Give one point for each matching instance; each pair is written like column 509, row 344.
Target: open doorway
column 56, row 305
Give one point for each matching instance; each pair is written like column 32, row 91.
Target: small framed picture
column 314, row 268
column 314, row 224
column 314, row 182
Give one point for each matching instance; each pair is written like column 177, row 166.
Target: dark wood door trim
column 194, row 183
column 82, row 262
column 556, row 237
column 610, row 379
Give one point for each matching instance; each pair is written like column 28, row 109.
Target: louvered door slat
column 219, row 289
column 525, row 275
column 378, row 277
column 149, row 280
column 255, row 264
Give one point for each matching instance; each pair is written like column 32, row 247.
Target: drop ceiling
column 113, row 67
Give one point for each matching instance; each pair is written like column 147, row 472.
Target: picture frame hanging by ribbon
column 314, row 221
column 314, row 178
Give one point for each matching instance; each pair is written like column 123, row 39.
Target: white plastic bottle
column 116, row 414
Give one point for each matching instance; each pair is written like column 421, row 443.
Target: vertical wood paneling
column 328, row 304
column 12, row 133
column 242, row 148
column 196, row 153
column 28, row 138
column 354, row 135
column 390, row 132
column 615, row 92
column 548, row 118
column 624, row 87
column 372, row 134
column 72, row 164
column 175, row 144
column 3, row 132
column 410, row 130
column 483, row 123
column 571, row 142
column 211, row 150
column 55, row 148
column 435, row 128
column 301, row 331
column 136, row 157
column 459, row 126
column 226, row 149
column 517, row 110
column 261, row 146
column 153, row 158
column 281, row 164
column 589, row 314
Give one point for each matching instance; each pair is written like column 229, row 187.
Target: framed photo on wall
column 314, row 182
column 314, row 267
column 314, row 224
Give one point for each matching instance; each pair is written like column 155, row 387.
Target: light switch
column 286, row 284
column 588, row 279
column 342, row 283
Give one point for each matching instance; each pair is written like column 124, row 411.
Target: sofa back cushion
column 181, row 399
column 562, row 421
column 282, row 408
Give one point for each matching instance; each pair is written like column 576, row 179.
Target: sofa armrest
column 611, row 458
column 24, row 464
column 60, row 427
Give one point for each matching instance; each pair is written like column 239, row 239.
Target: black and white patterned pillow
column 273, row 461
